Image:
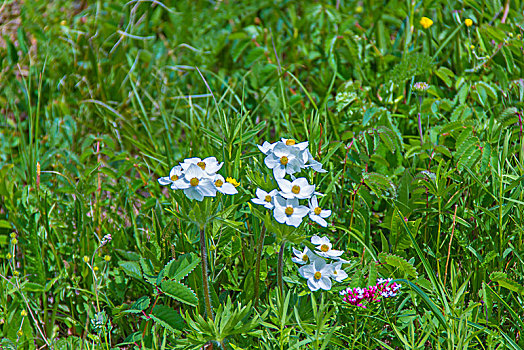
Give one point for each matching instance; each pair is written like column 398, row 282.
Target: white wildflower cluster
column 287, row 157
column 319, row 273
column 198, row 178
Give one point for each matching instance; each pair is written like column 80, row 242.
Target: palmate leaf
column 179, row 292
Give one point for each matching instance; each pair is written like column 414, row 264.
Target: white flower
column 304, row 257
column 312, row 163
column 338, row 274
column 222, row 186
column 292, row 142
column 318, row 275
column 264, row 198
column 299, row 188
column 267, row 147
column 324, row 247
column 209, row 165
column 316, row 213
column 196, row 184
column 284, row 160
column 288, row 211
column 174, row 174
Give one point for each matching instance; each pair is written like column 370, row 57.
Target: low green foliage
column 425, row 183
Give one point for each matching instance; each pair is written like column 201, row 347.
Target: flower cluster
column 198, row 178
column 420, row 86
column 319, row 273
column 287, row 157
column 357, row 296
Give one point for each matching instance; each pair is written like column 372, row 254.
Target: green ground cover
column 424, row 182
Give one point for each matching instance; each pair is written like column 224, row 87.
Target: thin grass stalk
column 205, row 281
column 260, row 247
column 280, row 269
column 449, row 246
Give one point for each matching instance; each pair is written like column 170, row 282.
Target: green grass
column 107, row 96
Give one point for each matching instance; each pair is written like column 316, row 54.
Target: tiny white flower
column 317, row 274
column 209, row 165
column 284, row 160
column 196, row 184
column 222, row 186
column 264, row 198
column 316, row 213
column 288, row 211
column 324, row 247
column 298, row 188
column 174, row 175
column 304, row 257
column 338, row 273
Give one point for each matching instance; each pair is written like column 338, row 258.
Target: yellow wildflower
column 233, row 181
column 8, row 256
column 95, row 268
column 86, row 259
column 107, row 258
column 23, row 313
column 426, row 22
column 468, row 22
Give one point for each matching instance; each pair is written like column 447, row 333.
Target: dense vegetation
column 425, row 182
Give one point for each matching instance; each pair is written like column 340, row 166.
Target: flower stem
column 280, row 269
column 420, row 130
column 205, row 282
column 260, row 247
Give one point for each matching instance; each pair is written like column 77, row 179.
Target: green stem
column 280, row 269
column 260, row 247
column 205, row 282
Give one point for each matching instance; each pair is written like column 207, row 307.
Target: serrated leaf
column 180, row 268
column 179, row 292
column 401, row 264
column 167, row 317
column 139, row 305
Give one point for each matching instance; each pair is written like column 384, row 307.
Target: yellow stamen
column 295, row 189
column 202, row 165
column 289, row 210
column 194, row 182
column 267, row 198
column 290, row 142
column 324, row 248
column 219, row 183
column 305, row 258
column 318, row 275
column 284, row 160
column 317, row 211
column 174, row 177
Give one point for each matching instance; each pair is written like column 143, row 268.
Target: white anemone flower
column 175, row 174
column 304, row 257
column 209, row 165
column 196, row 184
column 316, row 213
column 284, row 160
column 222, row 186
column 288, row 211
column 318, row 275
column 324, row 247
column 299, row 188
column 338, row 273
column 265, row 198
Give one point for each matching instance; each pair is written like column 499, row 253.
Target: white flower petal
column 312, row 284
column 164, row 181
column 325, row 283
column 318, row 220
column 193, row 193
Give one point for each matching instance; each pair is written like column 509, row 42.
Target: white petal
column 164, row 181
column 227, row 188
column 316, row 240
column 294, row 220
column 341, row 275
column 260, row 194
column 193, row 193
column 272, row 161
column 318, row 220
column 325, row 283
column 301, row 211
column 258, row 201
column 279, row 215
column 306, row 191
column 314, row 202
column 284, row 185
column 207, row 188
column 312, row 284
column 280, row 202
column 181, row 184
column 279, row 172
column 307, row 271
column 325, row 213
column 268, row 205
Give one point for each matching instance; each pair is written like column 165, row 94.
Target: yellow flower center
column 324, row 248
column 318, row 275
column 284, row 160
column 289, row 210
column 295, row 189
column 290, row 142
column 317, row 210
column 174, row 178
column 305, row 258
column 219, row 183
column 202, row 165
column 335, row 272
column 194, row 182
column 267, row 198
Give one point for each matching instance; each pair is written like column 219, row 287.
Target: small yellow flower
column 233, row 181
column 95, row 268
column 20, row 333
column 13, row 234
column 8, row 256
column 107, row 258
column 468, row 22
column 63, row 23
column 23, row 313
column 359, row 9
column 86, row 259
column 16, row 273
column 426, row 22
column 472, row 47
column 14, row 241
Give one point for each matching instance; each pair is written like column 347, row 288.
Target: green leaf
column 139, row 305
column 504, row 281
column 167, row 317
column 179, row 292
column 131, row 268
column 180, row 268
